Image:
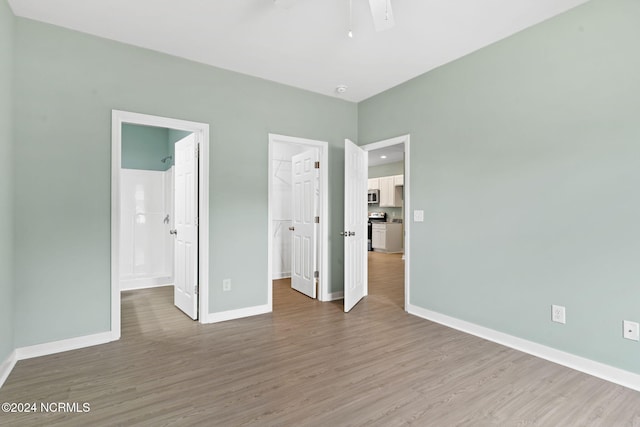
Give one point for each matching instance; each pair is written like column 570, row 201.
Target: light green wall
column 175, row 135
column 67, row 80
column 388, row 169
column 525, row 157
column 6, row 182
column 143, row 147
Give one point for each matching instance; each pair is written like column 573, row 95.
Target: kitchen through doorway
column 387, row 237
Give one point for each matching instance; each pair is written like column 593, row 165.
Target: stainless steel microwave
column 373, row 197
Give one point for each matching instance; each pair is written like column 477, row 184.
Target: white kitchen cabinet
column 386, row 237
column 373, row 184
column 398, row 180
column 378, row 236
column 390, row 195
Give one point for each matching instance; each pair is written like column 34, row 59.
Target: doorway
column 356, row 206
column 146, row 208
column 297, row 216
column 388, row 172
column 189, row 228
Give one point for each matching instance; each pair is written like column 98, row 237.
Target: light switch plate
column 631, row 330
column 418, row 215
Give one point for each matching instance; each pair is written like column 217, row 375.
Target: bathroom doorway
column 159, row 229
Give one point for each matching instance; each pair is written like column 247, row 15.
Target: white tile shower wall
column 145, row 259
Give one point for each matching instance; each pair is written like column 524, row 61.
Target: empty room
column 312, row 213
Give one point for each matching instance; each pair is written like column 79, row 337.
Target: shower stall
column 146, row 212
column 146, row 205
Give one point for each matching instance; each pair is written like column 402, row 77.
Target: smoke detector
column 340, row 89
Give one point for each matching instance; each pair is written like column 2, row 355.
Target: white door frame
column 202, row 134
column 323, row 232
column 406, row 221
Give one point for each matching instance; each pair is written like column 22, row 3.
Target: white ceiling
column 303, row 43
column 392, row 154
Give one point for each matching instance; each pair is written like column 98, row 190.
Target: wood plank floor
column 309, row 364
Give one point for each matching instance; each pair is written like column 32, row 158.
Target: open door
column 355, row 224
column 186, row 227
column 304, row 184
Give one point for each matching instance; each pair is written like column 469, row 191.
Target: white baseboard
column 152, row 282
column 45, row 349
column 278, row 276
column 600, row 370
column 63, row 345
column 237, row 314
column 334, row 296
column 7, row 366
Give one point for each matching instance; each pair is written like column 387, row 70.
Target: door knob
column 344, row 233
column 292, row 228
column 174, row 231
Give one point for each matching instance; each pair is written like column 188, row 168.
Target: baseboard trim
column 223, row 316
column 7, row 366
column 137, row 288
column 597, row 369
column 335, row 296
column 48, row 348
column 135, row 284
column 278, row 276
column 63, row 345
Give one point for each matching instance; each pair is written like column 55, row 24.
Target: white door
column 305, row 187
column 186, row 228
column 355, row 224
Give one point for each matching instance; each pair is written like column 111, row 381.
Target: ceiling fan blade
column 382, row 14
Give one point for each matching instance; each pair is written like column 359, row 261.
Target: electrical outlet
column 631, row 330
column 558, row 314
column 226, row 285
